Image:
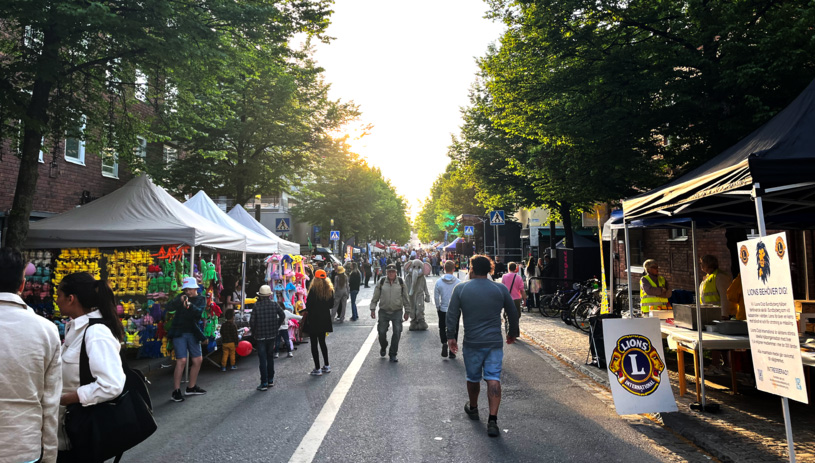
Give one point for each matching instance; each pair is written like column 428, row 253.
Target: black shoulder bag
column 106, row 430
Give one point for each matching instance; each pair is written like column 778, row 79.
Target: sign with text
column 636, row 366
column 767, row 288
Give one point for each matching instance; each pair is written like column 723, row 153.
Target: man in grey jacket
column 441, row 296
column 480, row 301
column 392, row 296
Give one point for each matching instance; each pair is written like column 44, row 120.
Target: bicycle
column 561, row 301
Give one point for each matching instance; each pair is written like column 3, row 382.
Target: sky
column 409, row 67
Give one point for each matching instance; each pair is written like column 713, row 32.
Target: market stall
column 143, row 241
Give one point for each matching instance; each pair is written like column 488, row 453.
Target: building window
column 678, row 234
column 141, row 85
column 74, row 145
column 170, row 154
column 110, row 164
column 141, row 149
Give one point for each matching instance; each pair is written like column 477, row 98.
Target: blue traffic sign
column 335, row 235
column 497, row 218
column 282, row 225
column 469, row 230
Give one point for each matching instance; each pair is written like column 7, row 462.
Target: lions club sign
column 636, row 369
column 637, row 365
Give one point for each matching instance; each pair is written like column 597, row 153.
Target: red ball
column 244, row 348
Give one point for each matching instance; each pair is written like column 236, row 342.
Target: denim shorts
column 186, row 343
column 484, row 362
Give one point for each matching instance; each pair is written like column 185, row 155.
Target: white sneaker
column 326, row 369
column 317, row 372
column 276, row 355
column 290, row 355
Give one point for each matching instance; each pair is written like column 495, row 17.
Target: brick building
column 672, row 249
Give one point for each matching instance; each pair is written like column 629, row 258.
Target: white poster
column 636, row 366
column 767, row 287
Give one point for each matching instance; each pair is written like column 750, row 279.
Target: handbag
column 304, row 324
column 106, row 430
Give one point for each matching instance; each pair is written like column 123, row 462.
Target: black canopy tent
column 776, row 162
column 766, row 178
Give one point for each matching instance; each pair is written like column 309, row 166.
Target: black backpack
column 382, row 282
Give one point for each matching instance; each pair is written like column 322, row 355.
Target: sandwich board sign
column 636, row 367
column 767, row 288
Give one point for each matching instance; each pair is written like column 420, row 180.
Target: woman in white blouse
column 83, row 298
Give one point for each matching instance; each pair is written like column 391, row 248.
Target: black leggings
column 323, row 347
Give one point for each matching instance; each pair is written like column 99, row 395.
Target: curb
column 678, row 423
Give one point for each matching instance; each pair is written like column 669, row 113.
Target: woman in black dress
column 319, row 302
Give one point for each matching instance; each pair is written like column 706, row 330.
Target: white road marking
column 311, row 442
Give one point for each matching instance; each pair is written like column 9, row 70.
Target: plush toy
column 415, row 279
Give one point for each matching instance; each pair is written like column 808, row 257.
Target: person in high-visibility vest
column 654, row 290
column 713, row 289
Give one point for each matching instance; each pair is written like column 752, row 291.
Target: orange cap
column 320, row 274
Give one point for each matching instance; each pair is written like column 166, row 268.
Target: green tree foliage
column 628, row 93
column 271, row 125
column 589, row 101
column 65, row 64
column 453, row 193
column 359, row 199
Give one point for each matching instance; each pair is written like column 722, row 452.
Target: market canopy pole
column 785, row 403
column 628, row 270
column 700, row 355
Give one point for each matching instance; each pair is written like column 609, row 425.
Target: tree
column 361, row 202
column 453, row 193
column 272, row 125
column 66, row 64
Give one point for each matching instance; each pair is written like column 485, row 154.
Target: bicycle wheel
column 550, row 306
column 581, row 314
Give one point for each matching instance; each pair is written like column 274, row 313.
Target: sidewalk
column 749, row 427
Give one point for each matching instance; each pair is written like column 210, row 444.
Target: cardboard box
column 661, row 314
column 802, row 305
column 803, row 321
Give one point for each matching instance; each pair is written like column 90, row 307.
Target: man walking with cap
column 480, row 300
column 267, row 316
column 392, row 296
column 187, row 336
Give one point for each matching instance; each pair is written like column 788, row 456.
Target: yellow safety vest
column 648, row 302
column 708, row 293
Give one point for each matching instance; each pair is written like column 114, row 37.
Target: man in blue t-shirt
column 480, row 301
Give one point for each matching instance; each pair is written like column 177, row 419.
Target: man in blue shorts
column 480, row 300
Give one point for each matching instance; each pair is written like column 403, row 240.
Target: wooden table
column 686, row 340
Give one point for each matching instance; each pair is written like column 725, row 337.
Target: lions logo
column 636, row 364
column 763, row 262
column 780, row 248
column 744, row 255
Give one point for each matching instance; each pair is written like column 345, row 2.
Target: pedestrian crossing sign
column 497, row 218
column 335, row 235
column 469, row 230
column 282, row 225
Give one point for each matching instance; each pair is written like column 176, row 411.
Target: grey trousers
column 385, row 320
column 340, row 300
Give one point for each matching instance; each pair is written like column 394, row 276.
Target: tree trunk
column 566, row 216
column 28, row 173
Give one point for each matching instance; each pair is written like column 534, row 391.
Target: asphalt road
column 411, row 411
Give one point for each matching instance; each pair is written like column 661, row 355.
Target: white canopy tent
column 137, row 214
column 255, row 242
column 241, row 216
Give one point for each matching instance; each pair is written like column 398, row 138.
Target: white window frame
column 678, row 234
column 114, row 168
column 170, row 154
column 42, row 153
column 141, row 149
column 141, row 82
column 80, row 160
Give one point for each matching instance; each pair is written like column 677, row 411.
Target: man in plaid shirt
column 267, row 316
